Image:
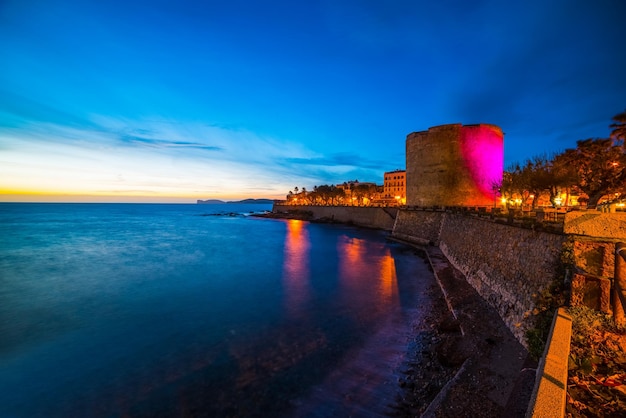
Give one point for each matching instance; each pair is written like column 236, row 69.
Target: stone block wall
column 591, row 291
column 420, row 227
column 370, row 217
column 596, row 224
column 595, row 265
column 508, row 266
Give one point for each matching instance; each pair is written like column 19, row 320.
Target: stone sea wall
column 419, row 227
column 370, row 217
column 508, row 266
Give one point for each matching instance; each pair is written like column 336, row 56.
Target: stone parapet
column 592, row 223
column 551, row 384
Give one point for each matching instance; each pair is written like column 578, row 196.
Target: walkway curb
column 549, row 394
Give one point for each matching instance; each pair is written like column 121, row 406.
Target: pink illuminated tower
column 454, row 165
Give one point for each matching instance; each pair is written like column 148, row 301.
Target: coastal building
column 394, row 187
column 454, row 165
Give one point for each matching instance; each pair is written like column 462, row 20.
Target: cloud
column 340, row 159
column 150, row 157
column 163, row 143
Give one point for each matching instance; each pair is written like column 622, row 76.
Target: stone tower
column 454, row 165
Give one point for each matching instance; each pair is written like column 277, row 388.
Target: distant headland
column 246, row 201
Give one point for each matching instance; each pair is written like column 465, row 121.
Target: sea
column 185, row 310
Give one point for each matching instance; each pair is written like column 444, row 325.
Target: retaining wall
column 419, row 227
column 370, row 217
column 508, row 266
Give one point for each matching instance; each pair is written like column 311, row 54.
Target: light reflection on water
column 366, row 263
column 296, row 273
column 138, row 310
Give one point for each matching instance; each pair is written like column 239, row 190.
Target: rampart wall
column 370, row 217
column 508, row 266
column 419, row 227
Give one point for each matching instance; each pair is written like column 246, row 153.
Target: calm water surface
column 138, row 310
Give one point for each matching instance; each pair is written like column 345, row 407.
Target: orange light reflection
column 296, row 273
column 357, row 262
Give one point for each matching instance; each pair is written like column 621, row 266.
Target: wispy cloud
column 160, row 157
column 164, row 143
column 341, row 159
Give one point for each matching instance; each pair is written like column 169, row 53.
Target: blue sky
column 179, row 100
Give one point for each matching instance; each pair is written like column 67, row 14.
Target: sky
column 173, row 101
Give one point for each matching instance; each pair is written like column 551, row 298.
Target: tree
column 599, row 166
column 370, row 192
column 360, row 191
column 536, row 174
column 544, row 174
column 562, row 176
column 337, row 195
column 514, row 183
column 325, row 193
column 619, row 129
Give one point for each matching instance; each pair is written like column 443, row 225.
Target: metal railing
column 619, row 284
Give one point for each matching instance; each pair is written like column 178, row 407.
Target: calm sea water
column 139, row 310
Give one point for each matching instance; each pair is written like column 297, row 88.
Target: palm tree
column 619, row 128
